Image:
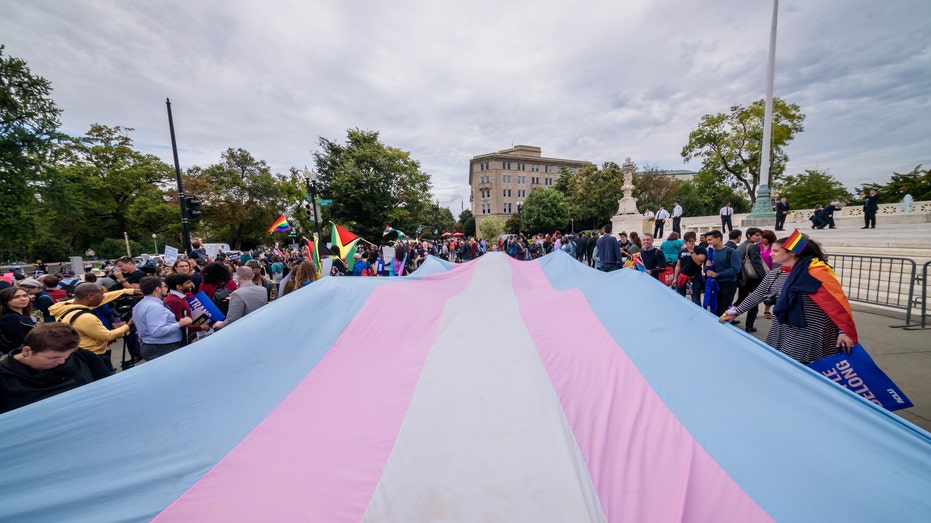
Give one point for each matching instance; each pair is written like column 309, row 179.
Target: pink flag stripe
column 318, row 456
column 644, row 464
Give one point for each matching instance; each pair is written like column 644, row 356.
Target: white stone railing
column 920, row 212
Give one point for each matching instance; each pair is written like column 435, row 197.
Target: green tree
column 29, row 121
column 593, row 194
column 372, row 184
column 916, row 183
column 730, row 143
column 106, row 188
column 491, row 227
column 563, row 181
column 805, row 190
column 653, row 187
column 705, row 194
column 467, row 222
column 512, row 225
column 240, row 198
column 447, row 222
column 545, row 210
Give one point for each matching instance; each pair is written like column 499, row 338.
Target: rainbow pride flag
column 830, row 297
column 795, row 242
column 280, row 225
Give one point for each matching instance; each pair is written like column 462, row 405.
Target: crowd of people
column 56, row 330
column 729, row 275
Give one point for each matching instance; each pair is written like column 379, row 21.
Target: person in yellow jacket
column 77, row 312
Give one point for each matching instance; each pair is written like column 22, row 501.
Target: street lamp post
column 520, row 216
column 310, row 178
column 436, row 219
column 155, row 242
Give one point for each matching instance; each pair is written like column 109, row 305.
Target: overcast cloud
column 593, row 81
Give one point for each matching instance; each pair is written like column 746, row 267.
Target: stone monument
column 628, row 204
column 628, row 218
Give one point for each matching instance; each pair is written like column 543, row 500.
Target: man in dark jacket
column 749, row 252
column 870, row 206
column 653, row 259
column 49, row 363
column 581, row 246
column 826, row 215
column 782, row 210
column 609, row 255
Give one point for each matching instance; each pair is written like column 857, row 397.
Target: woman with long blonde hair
column 304, row 274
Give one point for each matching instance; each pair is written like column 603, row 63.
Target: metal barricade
column 921, row 301
column 879, row 280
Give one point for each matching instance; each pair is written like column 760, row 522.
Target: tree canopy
column 29, row 121
column 491, row 227
column 804, row 190
column 917, row 183
column 545, row 210
column 372, row 184
column 729, row 144
column 593, row 193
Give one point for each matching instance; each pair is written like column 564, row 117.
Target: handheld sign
column 858, row 372
column 204, row 312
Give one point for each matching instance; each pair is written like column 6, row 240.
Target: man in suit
column 826, row 216
column 870, row 206
column 248, row 297
column 782, row 209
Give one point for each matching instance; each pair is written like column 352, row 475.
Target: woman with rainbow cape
column 811, row 317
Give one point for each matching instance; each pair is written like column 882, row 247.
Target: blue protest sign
column 203, row 310
column 857, row 372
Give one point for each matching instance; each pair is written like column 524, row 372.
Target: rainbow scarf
column 817, row 279
column 280, row 225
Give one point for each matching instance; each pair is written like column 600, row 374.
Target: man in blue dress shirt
column 158, row 330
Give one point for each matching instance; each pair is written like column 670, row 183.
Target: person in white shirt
column 661, row 216
column 677, row 218
column 726, row 212
column 648, row 214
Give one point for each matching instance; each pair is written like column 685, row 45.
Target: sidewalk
column 905, row 356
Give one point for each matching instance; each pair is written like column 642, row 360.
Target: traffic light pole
column 185, row 232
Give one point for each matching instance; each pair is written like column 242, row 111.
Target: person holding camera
column 811, row 314
column 78, row 313
column 158, row 329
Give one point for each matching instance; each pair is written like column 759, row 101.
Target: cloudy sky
column 596, row 81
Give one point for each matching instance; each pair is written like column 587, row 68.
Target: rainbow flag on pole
column 280, row 225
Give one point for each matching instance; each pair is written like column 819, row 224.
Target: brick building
column 500, row 181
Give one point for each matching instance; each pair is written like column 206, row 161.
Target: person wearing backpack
column 78, row 313
column 752, row 271
column 724, row 265
column 218, row 285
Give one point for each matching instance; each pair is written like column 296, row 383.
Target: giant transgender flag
column 495, row 390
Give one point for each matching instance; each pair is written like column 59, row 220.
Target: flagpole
column 763, row 207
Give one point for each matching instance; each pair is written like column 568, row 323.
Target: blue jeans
column 608, row 267
column 698, row 285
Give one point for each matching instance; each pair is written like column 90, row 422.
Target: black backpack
column 220, row 299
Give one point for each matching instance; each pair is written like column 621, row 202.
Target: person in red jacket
column 180, row 288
